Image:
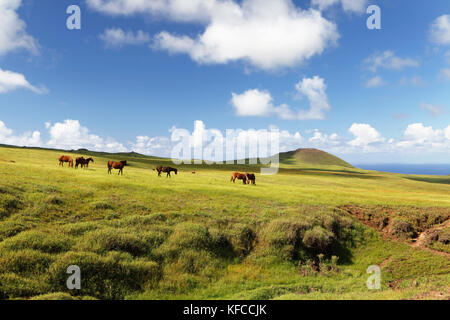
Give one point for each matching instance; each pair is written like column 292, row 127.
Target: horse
column 63, row 159
column 167, row 170
column 239, row 176
column 83, row 162
column 90, row 159
column 251, row 178
column 116, row 165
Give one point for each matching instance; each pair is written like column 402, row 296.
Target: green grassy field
column 309, row 232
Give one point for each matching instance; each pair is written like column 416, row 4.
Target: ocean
column 423, row 169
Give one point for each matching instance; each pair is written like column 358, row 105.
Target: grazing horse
column 83, row 162
column 63, row 159
column 167, row 170
column 239, row 176
column 251, row 178
column 116, row 165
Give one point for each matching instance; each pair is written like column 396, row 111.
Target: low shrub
column 25, row 262
column 105, row 277
column 49, row 242
column 15, row 286
column 11, row 228
column 186, row 235
column 318, row 239
column 111, row 239
column 402, row 229
column 284, row 237
column 243, row 239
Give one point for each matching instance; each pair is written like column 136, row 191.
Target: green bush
column 444, row 236
column 111, row 239
column 243, row 239
column 9, row 203
column 284, row 237
column 186, row 235
column 79, row 228
column 318, row 239
column 11, row 228
column 25, row 262
column 402, row 229
column 15, row 286
column 105, row 277
column 49, row 242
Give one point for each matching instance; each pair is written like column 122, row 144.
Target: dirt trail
column 420, row 241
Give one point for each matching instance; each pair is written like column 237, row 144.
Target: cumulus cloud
column 116, row 37
column 435, row 111
column 30, row 139
column 422, row 137
column 10, row 81
column 13, row 35
column 365, row 136
column 347, row 5
column 417, row 139
column 260, row 103
column 266, row 34
column 440, row 30
column 388, row 60
column 70, row 134
column 375, row 82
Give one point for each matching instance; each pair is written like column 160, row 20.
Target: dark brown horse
column 239, row 176
column 167, row 170
column 83, row 162
column 251, row 178
column 63, row 159
column 116, row 165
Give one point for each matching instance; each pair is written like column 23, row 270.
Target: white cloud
column 347, row 5
column 420, row 137
column 388, row 60
column 260, row 103
column 253, row 103
column 177, row 10
column 264, row 33
column 13, row 35
column 116, row 37
column 440, row 30
column 7, row 136
column 71, row 135
column 160, row 146
column 435, row 111
column 320, row 139
column 417, row 140
column 375, row 82
column 365, row 135
column 10, row 81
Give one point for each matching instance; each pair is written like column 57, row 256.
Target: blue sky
column 136, row 70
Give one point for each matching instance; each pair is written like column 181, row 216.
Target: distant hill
column 312, row 157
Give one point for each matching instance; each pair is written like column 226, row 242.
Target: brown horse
column 251, row 178
column 116, row 165
column 239, row 176
column 167, row 170
column 63, row 159
column 83, row 162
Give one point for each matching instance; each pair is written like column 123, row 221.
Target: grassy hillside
column 301, row 157
column 309, row 232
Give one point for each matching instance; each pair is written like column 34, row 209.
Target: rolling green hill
column 304, row 233
column 311, row 157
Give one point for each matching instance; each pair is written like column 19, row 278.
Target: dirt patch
column 414, row 226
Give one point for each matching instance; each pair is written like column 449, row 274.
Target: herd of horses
column 246, row 178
